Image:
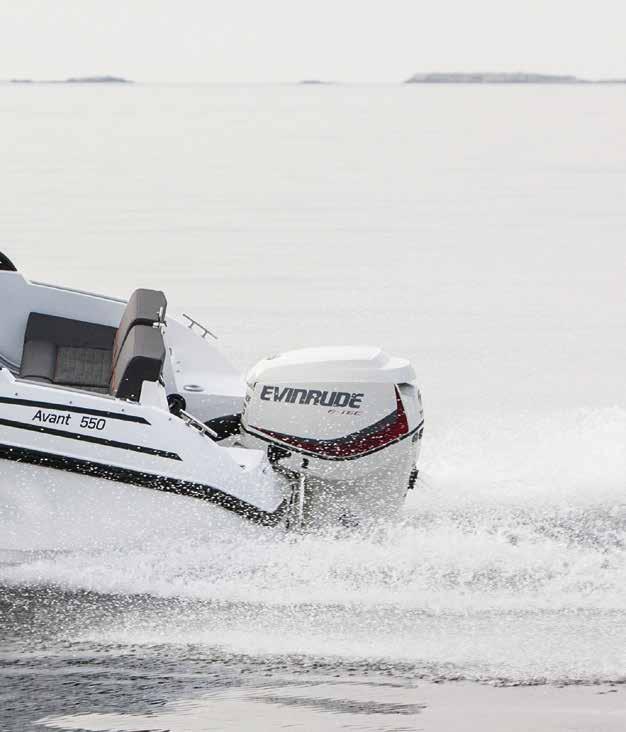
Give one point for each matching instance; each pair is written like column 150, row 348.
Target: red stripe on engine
column 351, row 445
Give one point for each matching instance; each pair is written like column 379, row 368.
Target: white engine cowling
column 349, row 419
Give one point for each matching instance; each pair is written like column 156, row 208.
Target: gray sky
column 289, row 40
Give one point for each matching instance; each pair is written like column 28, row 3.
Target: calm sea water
column 478, row 231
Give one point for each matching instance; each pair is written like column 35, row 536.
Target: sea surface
column 479, row 231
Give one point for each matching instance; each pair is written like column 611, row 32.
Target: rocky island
column 97, row 80
column 76, row 80
column 492, row 78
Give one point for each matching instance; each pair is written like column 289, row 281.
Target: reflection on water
column 85, row 661
column 321, row 705
column 367, row 704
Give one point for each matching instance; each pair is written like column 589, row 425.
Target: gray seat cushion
column 67, row 352
column 39, row 360
column 83, row 367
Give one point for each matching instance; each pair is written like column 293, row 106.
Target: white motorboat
column 124, row 391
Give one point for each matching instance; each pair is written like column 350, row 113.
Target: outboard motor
column 345, row 423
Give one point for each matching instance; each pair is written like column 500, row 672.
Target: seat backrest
column 140, row 359
column 145, row 307
column 68, row 332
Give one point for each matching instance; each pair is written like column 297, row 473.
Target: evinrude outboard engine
column 345, row 423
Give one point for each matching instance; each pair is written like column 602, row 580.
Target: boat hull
column 43, row 508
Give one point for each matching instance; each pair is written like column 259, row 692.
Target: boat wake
column 509, row 563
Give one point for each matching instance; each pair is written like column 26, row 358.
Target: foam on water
column 509, row 562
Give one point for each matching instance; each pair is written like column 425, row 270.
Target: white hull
column 46, row 509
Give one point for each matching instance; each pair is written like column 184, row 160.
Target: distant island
column 97, row 80
column 433, row 77
column 491, row 77
column 76, row 80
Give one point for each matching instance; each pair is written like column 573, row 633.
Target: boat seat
column 67, row 352
column 145, row 307
column 84, row 355
column 140, row 359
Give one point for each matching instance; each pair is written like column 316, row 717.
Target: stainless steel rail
column 205, row 331
column 191, row 421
